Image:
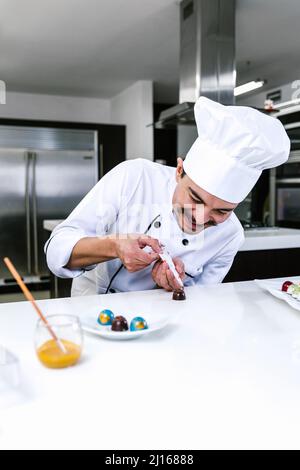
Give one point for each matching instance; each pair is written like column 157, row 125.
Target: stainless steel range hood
column 207, row 58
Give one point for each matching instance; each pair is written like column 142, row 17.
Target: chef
column 113, row 240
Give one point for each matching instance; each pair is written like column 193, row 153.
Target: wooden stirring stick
column 31, row 299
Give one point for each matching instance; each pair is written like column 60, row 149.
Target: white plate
column 274, row 287
column 90, row 325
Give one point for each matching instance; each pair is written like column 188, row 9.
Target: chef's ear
column 179, row 171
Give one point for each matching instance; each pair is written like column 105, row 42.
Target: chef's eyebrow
column 196, row 196
column 200, row 199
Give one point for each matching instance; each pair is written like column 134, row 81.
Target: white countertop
column 271, row 239
column 255, row 239
column 50, row 225
column 225, row 374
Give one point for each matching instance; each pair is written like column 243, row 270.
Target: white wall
column 134, row 108
column 55, row 108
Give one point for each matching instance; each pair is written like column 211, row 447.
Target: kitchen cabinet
column 264, row 264
column 267, row 253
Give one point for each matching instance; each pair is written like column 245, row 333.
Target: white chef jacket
column 136, row 197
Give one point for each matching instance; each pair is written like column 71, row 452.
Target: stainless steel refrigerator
column 44, row 173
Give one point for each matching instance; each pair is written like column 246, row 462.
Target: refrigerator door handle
column 101, row 147
column 34, row 216
column 27, row 210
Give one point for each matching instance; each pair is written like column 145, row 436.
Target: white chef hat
column 234, row 145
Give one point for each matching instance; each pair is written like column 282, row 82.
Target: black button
column 157, row 224
column 112, row 291
column 185, row 242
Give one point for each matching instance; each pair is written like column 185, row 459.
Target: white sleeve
column 217, row 268
column 91, row 218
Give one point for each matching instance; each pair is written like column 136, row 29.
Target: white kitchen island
column 224, row 374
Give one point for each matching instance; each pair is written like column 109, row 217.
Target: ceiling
column 97, row 48
column 268, row 36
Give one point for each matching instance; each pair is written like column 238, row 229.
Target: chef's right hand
column 130, row 251
column 163, row 276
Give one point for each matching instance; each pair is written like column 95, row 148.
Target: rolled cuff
column 58, row 250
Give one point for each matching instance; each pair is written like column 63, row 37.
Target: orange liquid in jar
column 52, row 357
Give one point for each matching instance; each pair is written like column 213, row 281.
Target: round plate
column 90, row 325
column 273, row 286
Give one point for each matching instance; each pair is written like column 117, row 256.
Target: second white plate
column 273, row 286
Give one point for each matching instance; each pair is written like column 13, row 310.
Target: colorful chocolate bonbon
column 106, row 318
column 138, row 324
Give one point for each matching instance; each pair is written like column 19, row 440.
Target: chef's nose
column 207, row 217
column 200, row 213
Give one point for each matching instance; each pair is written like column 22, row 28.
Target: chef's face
column 196, row 209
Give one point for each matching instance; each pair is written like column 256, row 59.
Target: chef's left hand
column 163, row 276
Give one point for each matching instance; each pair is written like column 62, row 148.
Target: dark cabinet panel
column 165, row 140
column 112, row 147
column 264, row 264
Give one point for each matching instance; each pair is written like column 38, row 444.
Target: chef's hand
column 131, row 253
column 163, row 276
